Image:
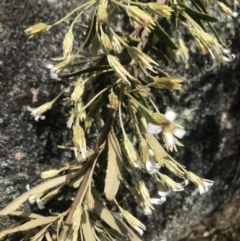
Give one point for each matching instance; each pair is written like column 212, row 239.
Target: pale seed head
column 160, row 9
column 77, row 92
column 68, row 43
column 37, row 29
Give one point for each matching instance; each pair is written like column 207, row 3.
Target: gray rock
column 209, row 110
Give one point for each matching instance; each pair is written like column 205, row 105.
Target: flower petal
column 40, row 204
column 153, row 129
column 179, row 133
column 152, row 167
column 164, row 194
column 169, row 139
column 170, row 115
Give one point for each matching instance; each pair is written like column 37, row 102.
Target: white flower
column 53, row 74
column 165, row 193
column 219, row 56
column 35, row 113
column 204, row 187
column 152, row 166
column 40, row 204
column 167, row 132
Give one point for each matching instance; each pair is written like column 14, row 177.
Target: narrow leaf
column 114, row 167
column 48, row 237
column 25, row 214
column 86, row 70
column 32, row 224
column 163, row 36
column 110, row 219
column 153, row 142
column 87, row 228
column 197, row 14
column 131, row 235
column 38, row 189
column 41, row 233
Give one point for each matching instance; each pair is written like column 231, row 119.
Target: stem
column 84, row 43
column 120, row 112
column 75, row 10
column 95, row 97
column 138, row 103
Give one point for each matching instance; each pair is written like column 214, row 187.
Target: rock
column 209, row 110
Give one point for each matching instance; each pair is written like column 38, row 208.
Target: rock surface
column 209, row 110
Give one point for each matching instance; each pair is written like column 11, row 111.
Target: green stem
column 88, row 4
column 138, row 103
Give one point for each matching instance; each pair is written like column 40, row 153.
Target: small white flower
column 165, row 193
column 204, row 187
column 35, row 113
column 40, row 204
column 168, row 135
column 219, row 56
column 32, row 199
column 53, row 74
column 180, row 186
column 152, row 166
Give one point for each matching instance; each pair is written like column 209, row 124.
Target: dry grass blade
column 154, row 144
column 87, row 228
column 131, row 235
column 110, row 219
column 32, row 224
column 48, row 237
column 114, row 167
column 38, row 189
column 75, row 183
column 26, row 214
column 41, row 233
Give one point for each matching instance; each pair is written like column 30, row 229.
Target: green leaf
column 216, row 34
column 91, row 31
column 114, row 167
column 163, row 36
column 86, row 70
column 198, row 4
column 97, row 104
column 199, row 15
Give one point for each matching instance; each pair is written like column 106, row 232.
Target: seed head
column 37, row 29
column 68, row 43
column 160, row 9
